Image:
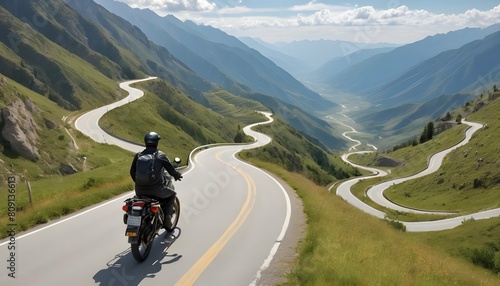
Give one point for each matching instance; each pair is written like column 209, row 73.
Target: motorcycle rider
column 159, row 189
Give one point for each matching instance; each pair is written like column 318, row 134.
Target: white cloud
column 475, row 17
column 401, row 23
column 357, row 16
column 368, row 15
column 173, row 5
column 314, row 6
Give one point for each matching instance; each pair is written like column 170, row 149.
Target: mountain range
column 466, row 68
column 219, row 57
column 62, row 26
column 303, row 58
column 226, row 62
column 380, row 69
column 419, row 79
column 119, row 50
column 431, row 88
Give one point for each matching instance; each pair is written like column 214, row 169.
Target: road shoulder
column 286, row 256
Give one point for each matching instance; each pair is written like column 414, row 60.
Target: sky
column 377, row 21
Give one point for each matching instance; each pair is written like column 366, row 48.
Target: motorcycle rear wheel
column 141, row 249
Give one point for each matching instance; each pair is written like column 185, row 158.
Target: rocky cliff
column 19, row 128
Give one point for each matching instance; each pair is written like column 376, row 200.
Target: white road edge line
column 284, row 228
column 69, row 218
column 277, row 244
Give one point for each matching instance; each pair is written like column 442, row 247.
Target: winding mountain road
column 234, row 218
column 88, row 123
column 376, row 192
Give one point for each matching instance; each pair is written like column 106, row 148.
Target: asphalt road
column 233, row 219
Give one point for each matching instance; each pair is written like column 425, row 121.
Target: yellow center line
column 190, row 277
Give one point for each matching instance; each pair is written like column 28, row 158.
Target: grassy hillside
column 386, row 127
column 405, row 161
column 474, row 241
column 105, row 176
column 134, row 46
column 233, row 106
column 469, row 178
column 296, row 153
column 34, row 61
column 468, row 181
column 66, row 28
column 103, row 173
column 314, row 127
column 56, row 144
column 183, row 123
column 344, row 246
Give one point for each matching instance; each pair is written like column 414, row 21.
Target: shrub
column 396, row 224
column 91, row 182
column 484, row 257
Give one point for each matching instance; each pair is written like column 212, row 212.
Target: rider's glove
column 178, row 177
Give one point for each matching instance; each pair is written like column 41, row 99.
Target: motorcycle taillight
column 125, row 208
column 154, row 208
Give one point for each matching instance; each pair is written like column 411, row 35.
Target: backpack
column 145, row 171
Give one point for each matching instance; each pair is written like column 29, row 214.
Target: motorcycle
column 144, row 219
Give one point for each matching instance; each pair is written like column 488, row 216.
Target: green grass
column 236, row 107
column 53, row 142
column 56, row 196
column 182, row 123
column 453, row 187
column 294, row 152
column 411, row 161
column 134, row 120
column 59, row 73
column 344, row 246
column 477, row 241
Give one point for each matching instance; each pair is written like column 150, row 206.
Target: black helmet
column 151, row 139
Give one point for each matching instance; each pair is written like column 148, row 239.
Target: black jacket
column 161, row 163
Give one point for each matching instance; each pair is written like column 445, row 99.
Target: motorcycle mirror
column 177, row 160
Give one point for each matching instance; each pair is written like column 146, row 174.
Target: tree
column 447, row 117
column 414, row 142
column 495, row 89
column 428, row 132
column 459, row 119
column 240, row 136
column 466, row 106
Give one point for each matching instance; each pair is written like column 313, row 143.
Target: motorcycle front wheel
column 176, row 214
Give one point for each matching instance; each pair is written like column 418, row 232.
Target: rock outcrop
column 19, row 128
column 67, row 169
